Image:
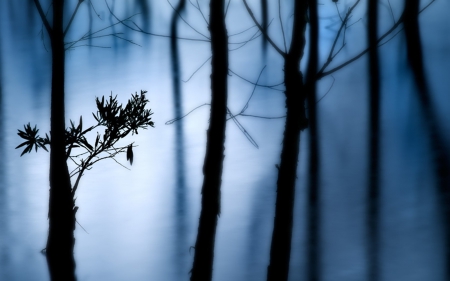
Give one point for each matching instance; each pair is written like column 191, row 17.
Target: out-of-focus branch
column 43, row 18
column 263, row 30
column 322, row 73
column 72, row 17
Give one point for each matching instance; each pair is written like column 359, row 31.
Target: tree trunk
column 61, row 215
column 439, row 149
column 180, row 242
column 177, row 100
column 374, row 132
column 313, row 207
column 296, row 121
column 212, row 168
column 265, row 16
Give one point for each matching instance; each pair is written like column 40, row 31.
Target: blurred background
column 139, row 224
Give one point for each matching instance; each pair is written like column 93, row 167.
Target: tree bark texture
column 278, row 269
column 61, row 215
column 439, row 149
column 374, row 147
column 212, row 169
column 313, row 206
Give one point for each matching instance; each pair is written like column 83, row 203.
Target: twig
column 243, row 130
column 344, row 22
column 179, row 118
column 72, row 17
column 282, row 28
column 179, row 15
column 226, row 9
column 390, row 9
column 266, row 36
column 322, row 73
column 43, row 18
column 138, row 29
column 259, row 85
column 197, row 70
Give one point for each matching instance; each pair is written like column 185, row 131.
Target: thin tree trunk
column 60, row 241
column 440, row 151
column 313, row 208
column 278, row 269
column 180, row 188
column 265, row 17
column 374, row 132
column 212, row 169
column 177, row 95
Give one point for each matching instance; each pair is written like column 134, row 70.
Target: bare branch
column 73, row 16
column 43, row 18
column 243, row 130
column 197, row 70
column 390, row 9
column 254, row 88
column 343, row 24
column 259, row 85
column 282, row 28
column 266, row 36
column 322, row 73
column 188, row 24
column 226, row 9
column 138, row 29
column 179, row 118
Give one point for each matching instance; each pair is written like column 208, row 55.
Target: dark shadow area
column 181, row 244
column 439, row 148
column 313, row 234
column 372, row 203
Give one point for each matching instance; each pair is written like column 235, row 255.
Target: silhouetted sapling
column 118, row 121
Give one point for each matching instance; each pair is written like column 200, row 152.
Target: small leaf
column 130, row 154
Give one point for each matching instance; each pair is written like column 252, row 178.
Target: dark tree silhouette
column 212, row 168
column 439, row 149
column 296, row 93
column 313, row 208
column 62, row 210
column 374, row 137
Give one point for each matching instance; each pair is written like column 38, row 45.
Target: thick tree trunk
column 60, row 241
column 296, row 121
column 212, row 169
column 374, row 132
column 440, row 150
column 313, row 207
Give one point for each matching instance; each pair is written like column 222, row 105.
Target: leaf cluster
column 32, row 139
column 118, row 120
